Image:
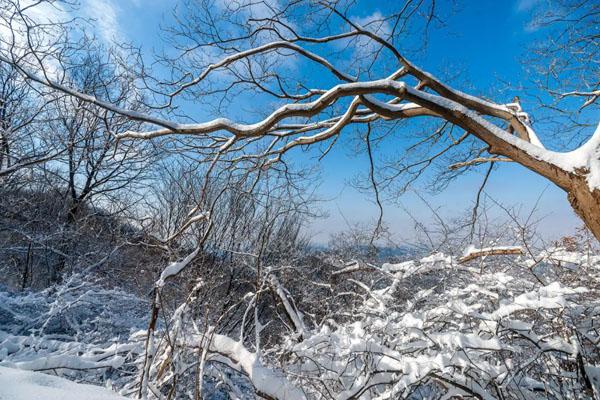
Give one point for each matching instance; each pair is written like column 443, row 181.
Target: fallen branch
column 473, row 253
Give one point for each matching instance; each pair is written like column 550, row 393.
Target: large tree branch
column 500, row 141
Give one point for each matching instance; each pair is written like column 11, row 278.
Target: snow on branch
column 268, row 383
column 478, row 160
column 290, row 308
column 592, row 96
column 176, row 267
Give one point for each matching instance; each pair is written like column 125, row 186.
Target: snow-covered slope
column 26, row 385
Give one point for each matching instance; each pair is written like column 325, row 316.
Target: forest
column 167, row 224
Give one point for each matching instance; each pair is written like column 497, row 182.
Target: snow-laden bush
column 503, row 327
column 495, row 334
column 437, row 327
column 88, row 333
column 78, row 329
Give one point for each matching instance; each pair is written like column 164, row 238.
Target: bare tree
column 22, row 115
column 393, row 89
column 93, row 166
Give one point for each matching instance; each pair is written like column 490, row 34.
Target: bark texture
column 586, row 204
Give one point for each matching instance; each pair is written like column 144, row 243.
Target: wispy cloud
column 375, row 22
column 36, row 13
column 14, row 32
column 526, row 5
column 363, row 48
column 105, row 13
column 529, row 9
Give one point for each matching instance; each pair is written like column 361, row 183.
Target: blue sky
column 485, row 40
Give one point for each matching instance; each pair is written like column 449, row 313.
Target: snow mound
column 26, row 385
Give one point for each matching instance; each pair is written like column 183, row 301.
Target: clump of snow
column 176, row 267
column 560, row 255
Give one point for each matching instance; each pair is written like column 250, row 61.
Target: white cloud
column 106, row 16
column 14, row 32
column 375, row 23
column 11, row 23
column 104, row 13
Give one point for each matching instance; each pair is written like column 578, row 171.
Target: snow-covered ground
column 17, row 384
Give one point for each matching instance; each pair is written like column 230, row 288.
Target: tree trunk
column 586, row 204
column 584, row 200
column 72, row 211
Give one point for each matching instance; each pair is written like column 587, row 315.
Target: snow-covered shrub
column 495, row 327
column 506, row 327
column 460, row 332
column 78, row 329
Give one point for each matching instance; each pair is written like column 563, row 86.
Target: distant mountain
column 385, row 253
